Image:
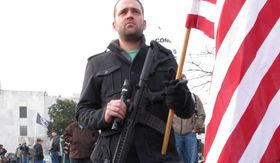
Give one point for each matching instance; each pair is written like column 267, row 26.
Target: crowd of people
column 23, row 154
column 27, row 154
column 73, row 146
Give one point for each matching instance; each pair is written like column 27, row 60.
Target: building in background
column 18, row 113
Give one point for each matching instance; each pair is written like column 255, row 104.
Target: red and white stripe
column 202, row 16
column 243, row 123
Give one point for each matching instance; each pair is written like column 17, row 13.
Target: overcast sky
column 44, row 44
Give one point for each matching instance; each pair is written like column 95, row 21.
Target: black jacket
column 24, row 149
column 38, row 152
column 104, row 76
column 55, row 146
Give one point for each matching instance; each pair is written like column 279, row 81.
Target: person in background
column 18, row 154
column 105, row 74
column 3, row 151
column 82, row 142
column 31, row 154
column 65, row 149
column 55, row 147
column 185, row 131
column 25, row 153
column 38, row 151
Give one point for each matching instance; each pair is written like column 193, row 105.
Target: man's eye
column 122, row 12
column 136, row 11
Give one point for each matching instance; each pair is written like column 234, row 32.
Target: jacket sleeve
column 89, row 111
column 41, row 154
column 187, row 109
column 38, row 151
column 200, row 114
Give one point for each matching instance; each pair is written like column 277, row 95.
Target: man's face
column 129, row 20
column 53, row 134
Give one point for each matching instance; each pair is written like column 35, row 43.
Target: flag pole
column 178, row 76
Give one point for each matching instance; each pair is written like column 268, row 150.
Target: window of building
column 23, row 112
column 23, row 130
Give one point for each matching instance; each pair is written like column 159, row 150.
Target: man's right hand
column 115, row 108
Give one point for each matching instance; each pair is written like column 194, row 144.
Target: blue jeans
column 25, row 158
column 18, row 160
column 54, row 157
column 187, row 147
column 39, row 161
column 66, row 159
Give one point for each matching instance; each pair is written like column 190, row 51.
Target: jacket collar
column 114, row 47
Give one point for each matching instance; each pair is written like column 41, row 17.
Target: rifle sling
column 151, row 120
column 144, row 118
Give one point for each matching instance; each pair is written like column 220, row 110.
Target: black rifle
column 127, row 133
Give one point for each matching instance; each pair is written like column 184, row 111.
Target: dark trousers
column 80, row 160
column 39, row 161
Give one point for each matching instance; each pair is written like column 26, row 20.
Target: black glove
column 176, row 92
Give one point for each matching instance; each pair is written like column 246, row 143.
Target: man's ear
column 145, row 24
column 114, row 25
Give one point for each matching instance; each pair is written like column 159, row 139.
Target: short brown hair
column 115, row 10
column 39, row 140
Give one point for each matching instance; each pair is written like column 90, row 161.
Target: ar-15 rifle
column 128, row 130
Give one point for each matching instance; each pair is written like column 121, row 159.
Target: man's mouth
column 129, row 24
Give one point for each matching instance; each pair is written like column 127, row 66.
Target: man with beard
column 105, row 73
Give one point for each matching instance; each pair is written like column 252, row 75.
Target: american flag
column 243, row 120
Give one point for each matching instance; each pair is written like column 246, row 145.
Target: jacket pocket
column 105, row 146
column 111, row 82
column 100, row 152
column 107, row 71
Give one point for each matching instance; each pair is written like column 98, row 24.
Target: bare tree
column 199, row 70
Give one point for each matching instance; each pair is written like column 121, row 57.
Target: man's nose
column 129, row 15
